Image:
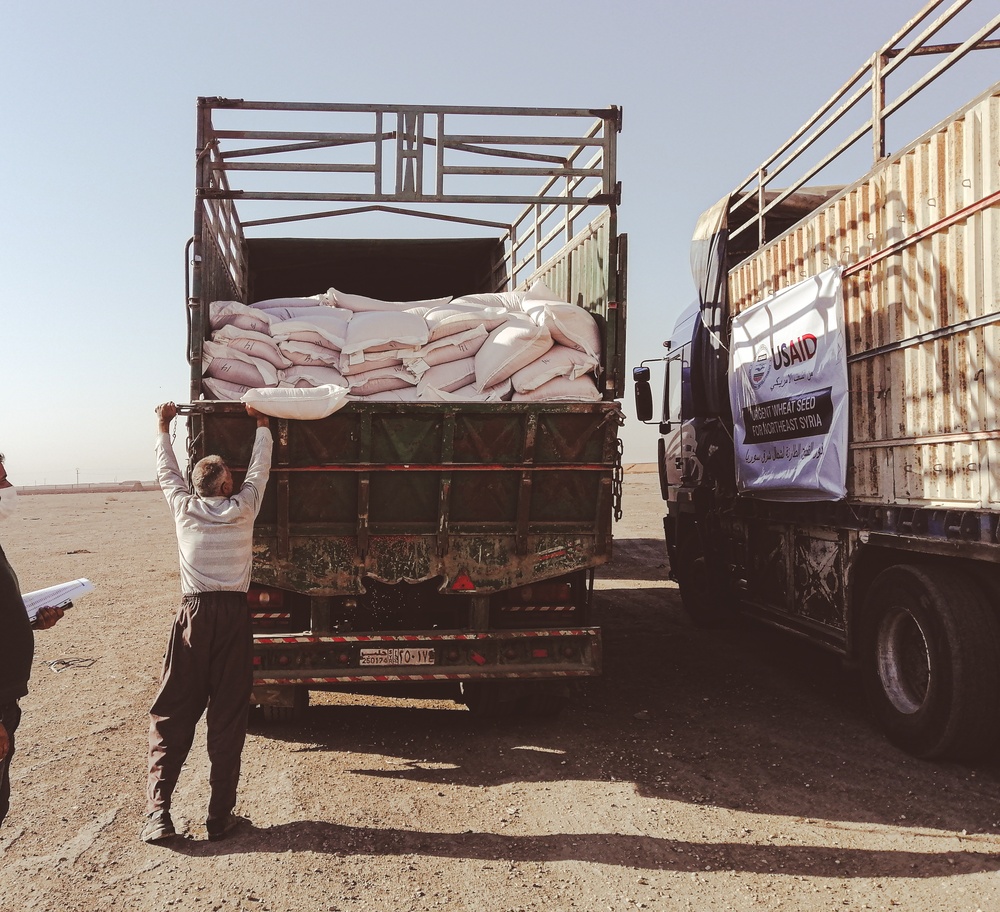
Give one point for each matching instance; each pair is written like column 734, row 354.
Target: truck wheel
column 293, row 713
column 931, row 662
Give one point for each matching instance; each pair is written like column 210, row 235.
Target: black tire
column 931, row 662
column 284, row 714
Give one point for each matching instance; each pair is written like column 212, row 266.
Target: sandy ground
column 706, row 770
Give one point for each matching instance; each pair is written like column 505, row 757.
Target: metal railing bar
column 547, row 185
column 296, row 135
column 506, row 153
column 378, row 152
column 948, row 48
column 529, row 172
column 302, row 147
column 944, row 65
column 934, row 335
column 605, row 114
column 439, row 146
column 836, row 97
column 333, row 213
column 840, row 93
column 514, row 199
column 477, row 139
column 821, row 131
column 294, row 166
column 901, row 55
column 835, row 154
column 897, row 57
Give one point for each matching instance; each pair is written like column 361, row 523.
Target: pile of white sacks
column 519, row 346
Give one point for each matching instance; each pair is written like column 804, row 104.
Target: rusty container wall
column 923, row 323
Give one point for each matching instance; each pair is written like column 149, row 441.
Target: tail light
column 554, row 593
column 263, row 598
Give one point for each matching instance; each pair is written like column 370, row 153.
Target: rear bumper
column 454, row 656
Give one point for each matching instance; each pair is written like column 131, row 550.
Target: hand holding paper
column 60, row 596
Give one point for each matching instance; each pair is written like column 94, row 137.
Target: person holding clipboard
column 17, row 647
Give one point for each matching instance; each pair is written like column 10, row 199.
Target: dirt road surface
column 706, row 770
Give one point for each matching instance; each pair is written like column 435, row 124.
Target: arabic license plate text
column 413, row 656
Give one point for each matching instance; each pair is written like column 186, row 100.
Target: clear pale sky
column 97, row 103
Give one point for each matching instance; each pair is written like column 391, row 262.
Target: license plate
column 413, row 656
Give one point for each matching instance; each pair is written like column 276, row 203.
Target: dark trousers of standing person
column 209, row 663
column 10, row 716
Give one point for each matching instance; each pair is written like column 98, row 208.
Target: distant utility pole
column 78, row 478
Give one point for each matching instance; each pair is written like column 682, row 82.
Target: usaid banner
column 788, row 388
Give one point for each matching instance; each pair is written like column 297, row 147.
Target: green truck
column 445, row 546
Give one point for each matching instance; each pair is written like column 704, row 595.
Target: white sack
column 380, row 379
column 558, row 361
column 255, row 344
column 309, row 353
column 372, row 329
column 277, row 314
column 279, row 303
column 450, row 376
column 454, row 318
column 404, row 394
column 360, row 362
column 571, row 326
column 313, row 337
column 502, row 392
column 506, row 300
column 362, row 304
column 222, row 313
column 304, row 404
column 312, row 375
column 539, row 292
column 562, row 389
column 222, row 389
column 327, row 327
column 509, row 348
column 230, row 364
column 450, row 348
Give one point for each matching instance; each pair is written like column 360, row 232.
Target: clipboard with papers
column 59, row 596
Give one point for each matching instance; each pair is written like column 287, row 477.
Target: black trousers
column 209, row 664
column 10, row 716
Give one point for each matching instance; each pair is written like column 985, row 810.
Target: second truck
column 890, row 554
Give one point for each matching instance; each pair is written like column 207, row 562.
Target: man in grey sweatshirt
column 209, row 660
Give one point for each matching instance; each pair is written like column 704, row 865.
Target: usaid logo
column 760, row 368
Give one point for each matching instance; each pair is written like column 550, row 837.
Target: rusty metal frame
column 867, row 84
column 577, row 157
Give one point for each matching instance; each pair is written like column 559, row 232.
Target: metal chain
column 618, row 480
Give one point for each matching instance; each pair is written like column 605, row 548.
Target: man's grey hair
column 208, row 475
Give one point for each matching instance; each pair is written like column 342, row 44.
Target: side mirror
column 643, row 394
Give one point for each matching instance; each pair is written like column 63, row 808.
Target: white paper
column 788, row 389
column 55, row 596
